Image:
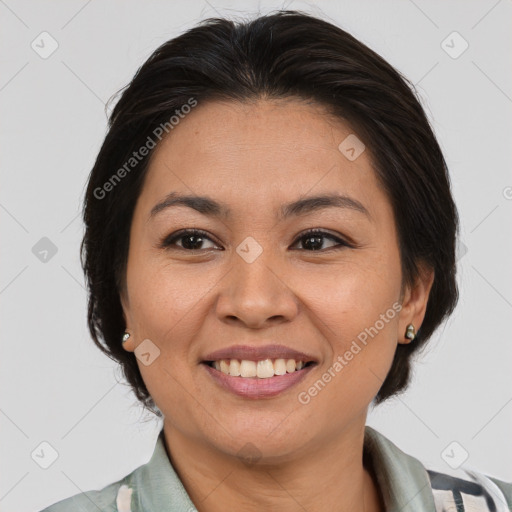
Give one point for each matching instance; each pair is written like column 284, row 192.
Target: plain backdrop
column 58, row 388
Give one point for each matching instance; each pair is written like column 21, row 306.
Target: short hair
column 284, row 54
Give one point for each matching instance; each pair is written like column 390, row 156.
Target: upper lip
column 259, row 353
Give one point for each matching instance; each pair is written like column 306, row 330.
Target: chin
column 267, row 439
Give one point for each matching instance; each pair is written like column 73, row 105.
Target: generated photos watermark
column 137, row 156
column 305, row 397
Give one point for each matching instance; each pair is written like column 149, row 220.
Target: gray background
column 57, row 387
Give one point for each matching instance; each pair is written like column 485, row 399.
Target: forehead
column 259, row 151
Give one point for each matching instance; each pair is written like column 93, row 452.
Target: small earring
column 410, row 332
column 126, row 335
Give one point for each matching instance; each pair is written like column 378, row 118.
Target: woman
column 270, row 236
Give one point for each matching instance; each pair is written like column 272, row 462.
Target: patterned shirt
column 405, row 484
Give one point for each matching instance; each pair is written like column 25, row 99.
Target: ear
column 414, row 304
column 129, row 344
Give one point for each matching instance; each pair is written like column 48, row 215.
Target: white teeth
column 279, row 367
column 265, row 369
column 262, row 369
column 234, row 368
column 290, row 365
column 247, row 368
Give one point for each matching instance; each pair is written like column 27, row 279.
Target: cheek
column 360, row 324
column 169, row 305
column 358, row 308
column 163, row 298
column 167, row 309
column 351, row 299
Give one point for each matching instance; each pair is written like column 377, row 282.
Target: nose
column 256, row 294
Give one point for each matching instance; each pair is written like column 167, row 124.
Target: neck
column 328, row 476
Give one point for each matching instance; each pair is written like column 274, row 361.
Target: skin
column 254, row 157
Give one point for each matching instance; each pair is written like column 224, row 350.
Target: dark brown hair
column 285, row 54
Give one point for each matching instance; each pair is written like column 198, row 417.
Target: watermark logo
column 249, row 454
column 249, row 250
column 454, row 455
column 44, row 45
column 454, row 45
column 146, row 352
column 352, row 147
column 44, row 455
column 44, row 250
column 461, row 250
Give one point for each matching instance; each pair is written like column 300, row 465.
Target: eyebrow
column 210, row 207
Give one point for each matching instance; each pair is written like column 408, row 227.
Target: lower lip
column 254, row 387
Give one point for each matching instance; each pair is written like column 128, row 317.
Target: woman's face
column 253, row 286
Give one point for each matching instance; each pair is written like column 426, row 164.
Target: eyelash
column 168, row 241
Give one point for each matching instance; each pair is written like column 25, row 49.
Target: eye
column 191, row 240
column 312, row 240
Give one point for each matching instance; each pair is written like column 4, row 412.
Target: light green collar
column 402, row 479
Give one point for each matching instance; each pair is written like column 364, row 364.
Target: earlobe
column 410, row 332
column 127, row 339
column 127, row 342
column 414, row 306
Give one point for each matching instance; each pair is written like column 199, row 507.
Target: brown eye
column 190, row 240
column 194, row 240
column 313, row 240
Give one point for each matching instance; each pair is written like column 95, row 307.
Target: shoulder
column 409, row 485
column 469, row 490
column 154, row 486
column 91, row 501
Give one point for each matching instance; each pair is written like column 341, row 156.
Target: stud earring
column 126, row 335
column 410, row 332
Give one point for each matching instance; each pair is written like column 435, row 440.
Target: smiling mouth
column 261, row 369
